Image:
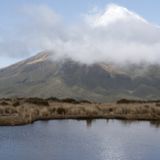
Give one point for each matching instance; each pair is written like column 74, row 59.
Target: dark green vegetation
column 128, row 101
column 20, row 111
column 43, row 78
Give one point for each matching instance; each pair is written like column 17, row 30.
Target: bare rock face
column 42, row 76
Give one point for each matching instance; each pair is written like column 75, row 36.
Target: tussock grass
column 61, row 111
column 158, row 104
column 15, row 104
column 23, row 111
column 3, row 103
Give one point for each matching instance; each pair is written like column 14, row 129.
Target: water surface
column 81, row 140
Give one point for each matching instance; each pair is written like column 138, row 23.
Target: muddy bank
column 24, row 111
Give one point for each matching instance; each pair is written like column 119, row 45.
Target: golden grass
column 24, row 111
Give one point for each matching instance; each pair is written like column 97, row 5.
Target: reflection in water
column 107, row 121
column 89, row 122
column 81, row 140
column 155, row 124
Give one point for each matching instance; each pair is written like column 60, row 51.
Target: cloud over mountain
column 113, row 34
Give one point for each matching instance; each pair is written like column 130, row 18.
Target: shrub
column 127, row 101
column 110, row 109
column 1, row 111
column 4, row 103
column 37, row 101
column 70, row 100
column 9, row 111
column 52, row 110
column 85, row 101
column 121, row 101
column 158, row 104
column 15, row 104
column 53, row 99
column 153, row 110
column 61, row 111
column 146, row 106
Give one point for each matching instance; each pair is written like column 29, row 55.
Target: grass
column 23, row 111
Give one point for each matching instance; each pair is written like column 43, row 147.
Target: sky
column 85, row 30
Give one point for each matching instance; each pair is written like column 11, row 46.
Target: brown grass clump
column 146, row 106
column 158, row 104
column 9, row 110
column 1, row 111
column 52, row 110
column 44, row 113
column 15, row 104
column 61, row 110
column 3, row 103
column 122, row 110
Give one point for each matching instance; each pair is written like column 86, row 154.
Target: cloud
column 113, row 34
column 119, row 35
column 35, row 30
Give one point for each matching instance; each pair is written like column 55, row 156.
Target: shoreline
column 24, row 111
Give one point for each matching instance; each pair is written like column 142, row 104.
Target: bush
column 146, row 106
column 127, row 101
column 61, row 111
column 4, row 103
column 110, row 109
column 1, row 111
column 9, row 111
column 52, row 110
column 121, row 101
column 53, row 99
column 37, row 101
column 15, row 104
column 158, row 104
column 85, row 101
column 70, row 100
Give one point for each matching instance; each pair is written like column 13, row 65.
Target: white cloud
column 113, row 34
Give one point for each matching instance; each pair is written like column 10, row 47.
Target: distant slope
column 38, row 76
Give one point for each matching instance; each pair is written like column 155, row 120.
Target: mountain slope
column 39, row 76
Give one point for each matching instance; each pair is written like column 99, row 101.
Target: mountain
column 114, row 13
column 42, row 76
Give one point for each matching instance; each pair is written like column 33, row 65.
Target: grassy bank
column 23, row 111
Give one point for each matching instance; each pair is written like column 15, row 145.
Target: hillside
column 42, row 76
